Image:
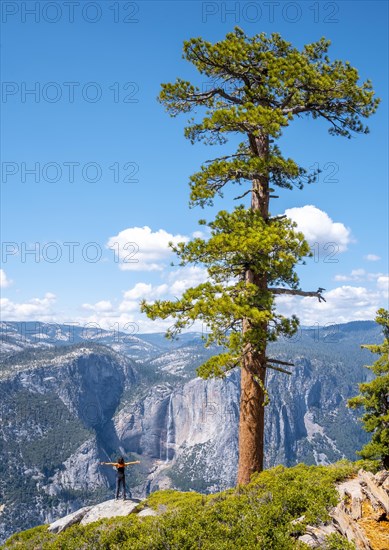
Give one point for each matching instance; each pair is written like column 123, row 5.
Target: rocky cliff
column 68, row 403
column 53, row 404
column 361, row 515
column 312, row 507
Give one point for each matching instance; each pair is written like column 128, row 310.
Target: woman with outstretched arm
column 120, row 466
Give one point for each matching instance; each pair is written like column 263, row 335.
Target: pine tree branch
column 279, row 369
column 211, row 93
column 287, row 99
column 279, row 362
column 300, row 109
column 228, row 71
column 241, row 196
column 330, row 119
column 295, row 292
column 227, row 157
column 283, row 217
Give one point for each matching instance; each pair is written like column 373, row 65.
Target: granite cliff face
column 52, row 403
column 68, row 404
column 188, row 433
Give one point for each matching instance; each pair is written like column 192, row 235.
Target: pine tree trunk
column 252, row 417
column 253, row 369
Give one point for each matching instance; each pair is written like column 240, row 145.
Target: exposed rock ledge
column 89, row 514
column 362, row 514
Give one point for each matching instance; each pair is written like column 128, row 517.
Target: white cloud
column 178, row 282
column 4, row 281
column 372, row 258
column 355, row 275
column 127, row 311
column 146, row 291
column 141, row 249
column 102, row 306
column 319, row 228
column 343, row 304
column 126, row 315
column 383, row 284
column 186, row 277
column 359, row 275
column 342, row 278
column 35, row 308
column 141, row 291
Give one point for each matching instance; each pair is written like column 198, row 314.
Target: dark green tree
column 256, row 87
column 374, row 398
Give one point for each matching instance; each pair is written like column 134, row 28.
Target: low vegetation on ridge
column 260, row 515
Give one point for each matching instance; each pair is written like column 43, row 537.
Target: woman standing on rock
column 120, row 466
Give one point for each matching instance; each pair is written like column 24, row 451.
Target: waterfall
column 169, row 428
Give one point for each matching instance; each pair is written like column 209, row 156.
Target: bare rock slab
column 89, row 514
column 379, row 493
column 109, row 509
column 69, row 520
column 361, row 516
column 353, row 490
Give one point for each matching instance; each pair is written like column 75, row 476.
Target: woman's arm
column 108, row 464
column 136, row 462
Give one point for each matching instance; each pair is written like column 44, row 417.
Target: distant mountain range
column 71, row 397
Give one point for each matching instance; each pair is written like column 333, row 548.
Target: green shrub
column 30, row 538
column 256, row 516
column 337, row 542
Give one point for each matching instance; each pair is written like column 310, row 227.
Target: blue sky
column 112, row 167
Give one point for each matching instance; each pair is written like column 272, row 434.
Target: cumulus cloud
column 141, row 291
column 319, row 228
column 176, row 284
column 102, row 306
column 4, row 281
column 342, row 278
column 141, row 249
column 383, row 284
column 35, row 308
column 343, row 304
column 145, row 291
column 372, row 257
column 126, row 314
column 186, row 277
column 355, row 275
column 358, row 275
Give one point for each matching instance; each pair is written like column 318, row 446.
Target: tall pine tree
column 374, row 398
column 258, row 86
